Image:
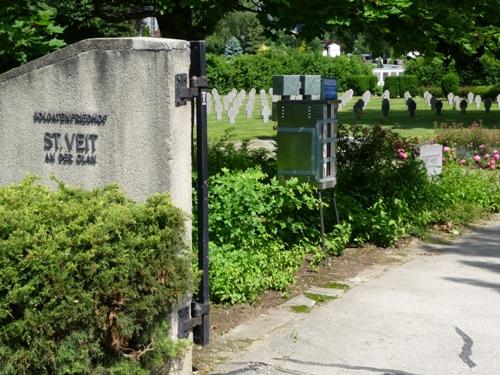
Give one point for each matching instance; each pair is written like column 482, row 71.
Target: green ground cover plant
column 87, row 278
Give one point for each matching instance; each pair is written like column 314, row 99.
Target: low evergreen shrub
column 256, row 71
column 450, row 83
column 484, row 91
column 437, row 91
column 361, row 83
column 86, row 280
column 428, row 71
column 398, row 85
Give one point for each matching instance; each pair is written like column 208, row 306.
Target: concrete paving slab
column 330, row 292
column 436, row 314
column 262, row 326
column 299, row 300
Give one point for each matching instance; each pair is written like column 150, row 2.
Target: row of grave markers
column 230, row 105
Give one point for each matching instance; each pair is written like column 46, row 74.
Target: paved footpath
column 438, row 314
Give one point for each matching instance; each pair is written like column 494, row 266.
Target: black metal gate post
column 200, row 308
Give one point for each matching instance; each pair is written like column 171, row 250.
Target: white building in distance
column 331, row 49
column 387, row 70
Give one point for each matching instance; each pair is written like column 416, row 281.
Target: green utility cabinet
column 307, row 131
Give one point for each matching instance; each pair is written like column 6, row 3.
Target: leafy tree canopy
column 450, row 27
column 27, row 31
column 453, row 28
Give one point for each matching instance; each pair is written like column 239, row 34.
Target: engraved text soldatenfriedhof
column 70, row 148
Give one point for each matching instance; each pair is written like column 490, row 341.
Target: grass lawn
column 422, row 125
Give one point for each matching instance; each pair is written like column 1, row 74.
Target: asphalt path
column 437, row 314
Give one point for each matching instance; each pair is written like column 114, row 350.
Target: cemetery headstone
column 385, row 107
column 470, row 97
column 432, row 156
column 366, row 98
column 456, row 102
column 232, row 116
column 218, row 111
column 358, row 108
column 427, row 97
column 487, row 105
column 412, row 107
column 463, row 106
column 477, row 101
column 265, row 114
column 249, row 109
column 439, row 107
column 432, row 102
column 498, row 100
column 450, row 98
column 407, row 95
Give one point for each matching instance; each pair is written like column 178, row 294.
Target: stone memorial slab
column 432, row 102
column 265, row 114
column 218, row 112
column 477, row 101
column 450, row 98
column 432, row 156
column 487, row 105
column 470, row 97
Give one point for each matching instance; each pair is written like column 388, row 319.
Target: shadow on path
column 256, row 367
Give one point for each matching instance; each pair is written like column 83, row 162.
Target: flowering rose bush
column 472, row 146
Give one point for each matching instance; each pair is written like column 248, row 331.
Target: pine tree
column 233, row 47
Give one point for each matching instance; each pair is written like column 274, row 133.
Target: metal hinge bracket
column 197, row 311
column 183, row 92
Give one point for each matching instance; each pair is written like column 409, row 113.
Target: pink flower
column 476, row 158
column 463, row 162
column 403, row 155
column 496, row 156
column 446, row 149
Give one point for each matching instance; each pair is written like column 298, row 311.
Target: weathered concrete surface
column 437, row 314
column 144, row 144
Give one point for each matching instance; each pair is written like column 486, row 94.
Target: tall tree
column 27, row 31
column 454, row 28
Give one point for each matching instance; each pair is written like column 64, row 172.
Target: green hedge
column 428, row 71
column 397, row 85
column 437, row 91
column 361, row 83
column 483, row 91
column 450, row 83
column 86, row 279
column 256, row 71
